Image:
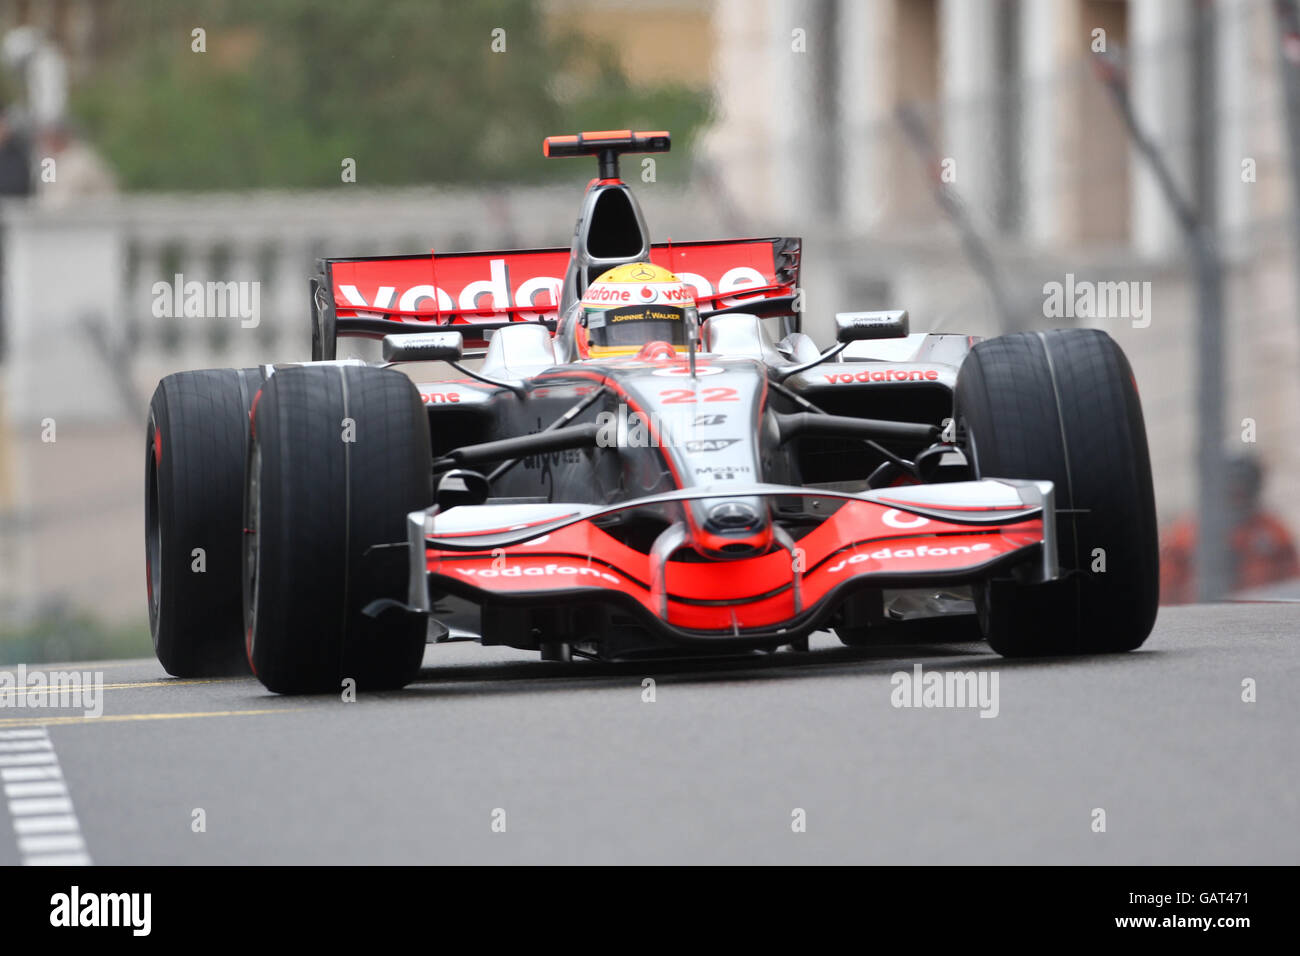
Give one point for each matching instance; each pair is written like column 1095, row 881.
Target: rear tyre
column 1063, row 405
column 340, row 455
column 194, row 490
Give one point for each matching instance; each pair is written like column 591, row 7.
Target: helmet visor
column 631, row 326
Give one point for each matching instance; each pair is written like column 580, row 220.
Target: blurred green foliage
column 61, row 634
column 410, row 89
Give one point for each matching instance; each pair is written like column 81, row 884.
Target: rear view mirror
column 460, row 486
column 860, row 326
column 423, row 347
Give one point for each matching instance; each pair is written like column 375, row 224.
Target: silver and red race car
column 725, row 488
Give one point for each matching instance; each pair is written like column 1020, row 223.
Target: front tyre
column 1063, row 406
column 340, row 455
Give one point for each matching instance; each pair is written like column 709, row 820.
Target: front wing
column 913, row 536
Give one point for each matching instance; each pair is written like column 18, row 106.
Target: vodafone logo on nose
column 904, row 554
column 898, row 519
column 885, row 375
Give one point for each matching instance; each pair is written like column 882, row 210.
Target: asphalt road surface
column 579, row 768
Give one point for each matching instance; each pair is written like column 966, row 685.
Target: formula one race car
column 651, row 459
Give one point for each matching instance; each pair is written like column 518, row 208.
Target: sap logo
column 888, row 375
column 921, row 551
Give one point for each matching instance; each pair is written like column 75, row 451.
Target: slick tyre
column 195, row 448
column 340, row 454
column 1063, row 405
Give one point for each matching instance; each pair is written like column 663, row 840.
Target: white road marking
column 13, row 760
column 61, row 843
column 60, row 824
column 39, row 805
column 37, row 788
column 60, row 859
column 31, row 773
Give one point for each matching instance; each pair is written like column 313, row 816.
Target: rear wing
column 374, row 296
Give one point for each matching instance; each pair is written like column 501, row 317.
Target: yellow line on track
column 9, row 722
column 82, row 665
column 20, row 692
column 171, row 682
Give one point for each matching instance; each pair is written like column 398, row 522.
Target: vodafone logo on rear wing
column 486, row 286
column 525, row 285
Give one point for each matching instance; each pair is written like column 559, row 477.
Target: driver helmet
column 632, row 305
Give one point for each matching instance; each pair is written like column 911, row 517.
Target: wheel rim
column 152, row 537
column 252, row 548
column 972, row 449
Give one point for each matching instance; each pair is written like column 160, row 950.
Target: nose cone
column 733, row 517
column 731, row 528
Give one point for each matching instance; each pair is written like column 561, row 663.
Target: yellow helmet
column 633, row 304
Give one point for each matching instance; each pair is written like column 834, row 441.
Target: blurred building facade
column 808, row 132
